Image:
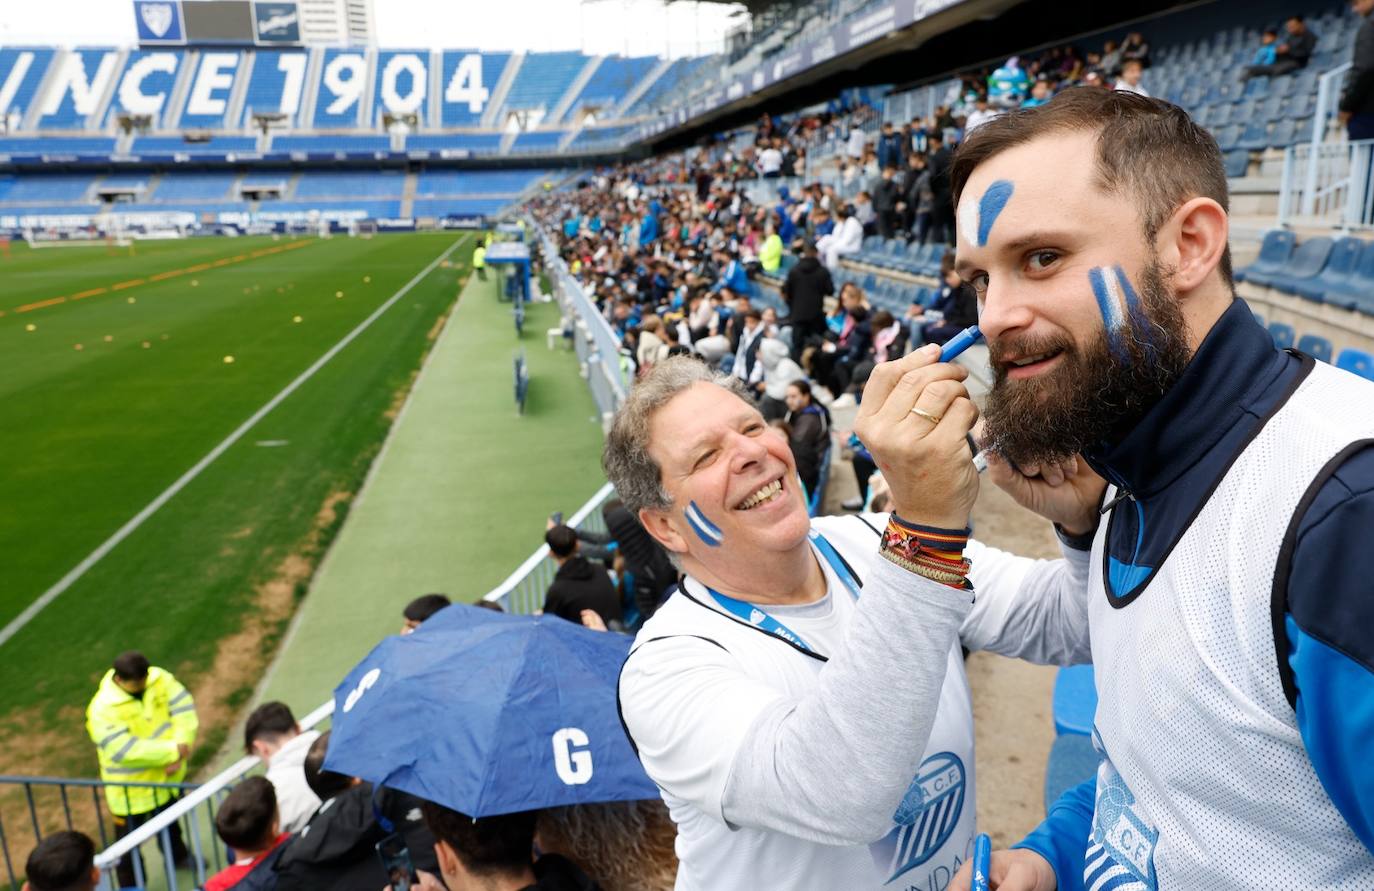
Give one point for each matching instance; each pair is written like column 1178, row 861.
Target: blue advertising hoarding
column 159, row 22
column 276, row 23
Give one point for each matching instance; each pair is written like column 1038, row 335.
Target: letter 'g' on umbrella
column 488, row 713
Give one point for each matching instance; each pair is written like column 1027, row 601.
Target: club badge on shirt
column 926, row 819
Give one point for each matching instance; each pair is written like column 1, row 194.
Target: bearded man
column 1229, row 600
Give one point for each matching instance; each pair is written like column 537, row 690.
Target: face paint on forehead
column 706, row 530
column 976, row 219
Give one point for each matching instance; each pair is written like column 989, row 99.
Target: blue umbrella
column 488, row 713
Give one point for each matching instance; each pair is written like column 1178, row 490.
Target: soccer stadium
column 652, row 444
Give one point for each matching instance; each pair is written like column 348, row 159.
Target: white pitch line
column 18, row 622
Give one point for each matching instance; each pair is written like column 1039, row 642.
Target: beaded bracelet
column 935, row 554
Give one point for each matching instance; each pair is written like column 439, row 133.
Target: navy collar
column 1233, row 369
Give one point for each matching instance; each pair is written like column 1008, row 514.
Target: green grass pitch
column 110, row 394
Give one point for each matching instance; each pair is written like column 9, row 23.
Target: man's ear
column 262, row 749
column 448, row 861
column 1194, row 241
column 660, row 525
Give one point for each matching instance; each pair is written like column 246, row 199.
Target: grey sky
column 632, row 27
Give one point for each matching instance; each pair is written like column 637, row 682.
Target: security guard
column 143, row 723
column 479, row 261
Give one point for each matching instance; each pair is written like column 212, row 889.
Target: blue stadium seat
column 1357, row 292
column 1272, row 108
column 1356, row 362
column 272, row 70
column 1255, row 86
column 1284, row 134
column 1237, row 162
column 331, row 184
column 1218, row 115
column 1307, row 261
column 470, row 143
column 1282, row 334
column 1255, row 137
column 1075, row 700
column 1275, row 251
column 1317, row 347
column 194, row 186
column 1301, row 106
column 1340, row 267
column 1228, row 137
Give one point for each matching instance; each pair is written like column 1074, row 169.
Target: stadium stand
column 541, row 82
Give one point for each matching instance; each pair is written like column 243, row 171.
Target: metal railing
column 193, row 812
column 596, row 343
column 1328, row 185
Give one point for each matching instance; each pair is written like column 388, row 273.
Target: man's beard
column 1097, row 392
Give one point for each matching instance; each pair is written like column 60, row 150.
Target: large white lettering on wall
column 414, row 96
column 216, row 74
column 345, row 90
column 131, row 95
column 466, row 84
column 71, row 80
column 293, row 66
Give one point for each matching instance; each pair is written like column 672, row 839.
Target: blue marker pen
column 960, row 342
column 982, row 862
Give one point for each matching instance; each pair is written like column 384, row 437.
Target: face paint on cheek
column 1108, row 294
column 1135, row 310
column 976, row 219
column 706, row 530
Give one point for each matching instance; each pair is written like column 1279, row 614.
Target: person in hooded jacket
column 337, row 848
column 778, row 371
column 578, row 584
column 805, row 289
column 810, row 423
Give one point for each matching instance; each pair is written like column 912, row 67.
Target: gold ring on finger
column 932, row 418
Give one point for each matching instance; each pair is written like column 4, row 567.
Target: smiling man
column 1229, row 600
column 800, row 700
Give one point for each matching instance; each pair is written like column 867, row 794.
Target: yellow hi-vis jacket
column 135, row 739
column 479, row 258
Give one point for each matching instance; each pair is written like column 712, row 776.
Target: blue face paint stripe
column 1132, row 300
column 1108, row 306
column 990, row 206
column 704, row 528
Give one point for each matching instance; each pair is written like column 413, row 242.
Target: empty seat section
column 165, row 145
column 543, row 79
column 437, row 183
column 472, row 143
column 362, row 184
column 545, row 141
column 155, row 73
column 194, row 187
column 57, row 145
column 614, row 79
column 48, row 189
column 331, row 144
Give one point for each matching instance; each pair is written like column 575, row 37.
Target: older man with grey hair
column 800, row 699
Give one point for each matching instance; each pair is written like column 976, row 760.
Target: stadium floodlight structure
column 134, row 123
column 266, row 120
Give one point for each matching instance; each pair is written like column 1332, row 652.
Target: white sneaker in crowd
column 855, row 503
column 845, row 400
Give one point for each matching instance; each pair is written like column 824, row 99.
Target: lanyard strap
column 769, row 625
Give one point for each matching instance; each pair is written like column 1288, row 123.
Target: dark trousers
column 942, row 226
column 125, row 825
column 482, row 273
column 887, row 222
column 1281, row 67
column 805, row 332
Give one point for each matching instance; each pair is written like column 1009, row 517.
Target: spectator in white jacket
column 274, row 736
column 847, row 238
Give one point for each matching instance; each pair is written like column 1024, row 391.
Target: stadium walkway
column 456, row 499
